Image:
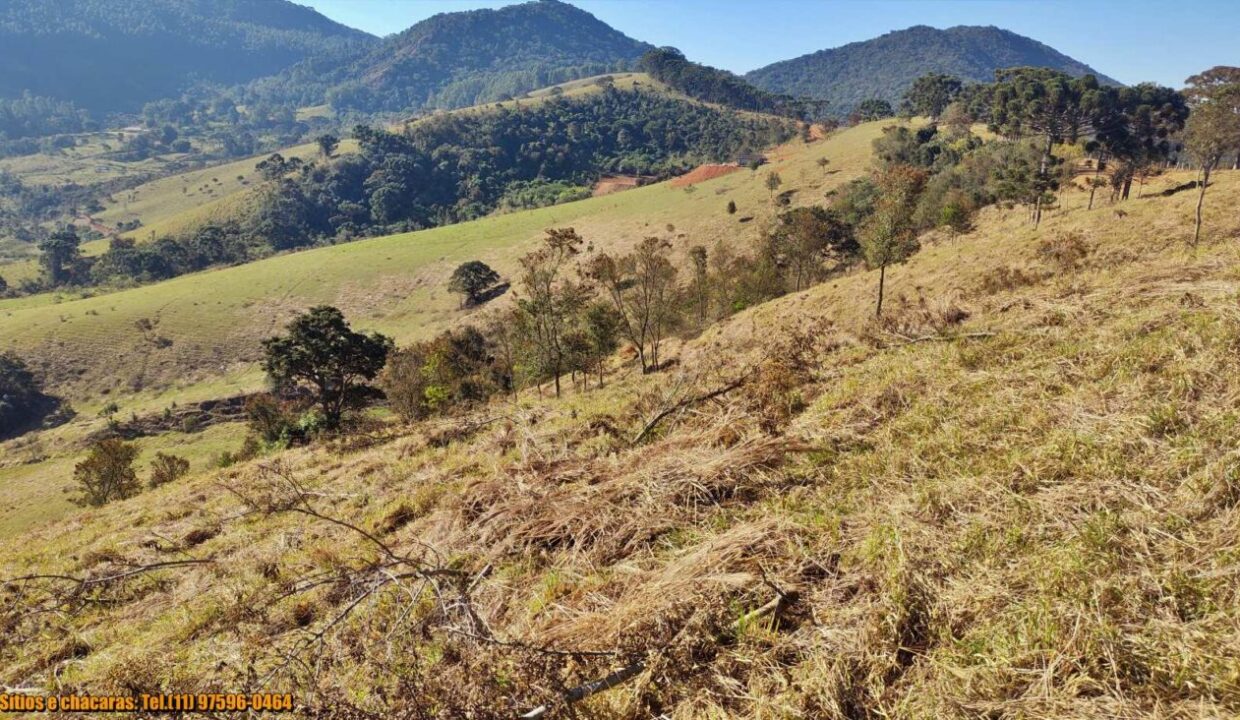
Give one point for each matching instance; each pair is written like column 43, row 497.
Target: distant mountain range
column 115, row 55
column 886, row 66
column 109, row 55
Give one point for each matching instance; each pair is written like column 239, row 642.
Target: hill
column 886, row 66
column 1014, row 496
column 115, row 55
column 458, row 59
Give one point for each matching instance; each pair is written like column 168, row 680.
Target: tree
column 804, row 238
column 874, row 109
column 889, row 235
column 1213, row 128
column 822, row 163
column 731, row 207
column 602, row 333
column 106, row 474
column 773, row 181
column 1137, row 128
column 642, row 288
column 930, row 95
column 1050, row 105
column 328, row 144
column 321, row 352
column 471, row 280
column 4, row 286
column 701, row 281
column 165, row 468
column 553, row 301
column 61, row 253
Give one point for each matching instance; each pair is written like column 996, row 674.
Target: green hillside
column 118, row 54
column 886, row 66
column 458, row 59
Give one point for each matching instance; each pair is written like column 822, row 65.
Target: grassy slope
column 174, row 204
column 1015, row 498
column 393, row 284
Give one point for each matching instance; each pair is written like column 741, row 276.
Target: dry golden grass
column 1017, row 496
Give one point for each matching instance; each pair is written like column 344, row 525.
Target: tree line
column 435, row 172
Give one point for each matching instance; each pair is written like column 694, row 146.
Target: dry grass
column 1005, row 500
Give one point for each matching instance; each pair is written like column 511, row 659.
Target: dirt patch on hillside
column 702, row 173
column 616, row 183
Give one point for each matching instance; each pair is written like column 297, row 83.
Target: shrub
column 166, row 468
column 106, row 474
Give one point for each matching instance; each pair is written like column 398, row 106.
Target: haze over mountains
column 115, row 55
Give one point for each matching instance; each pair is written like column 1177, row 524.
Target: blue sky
column 1132, row 41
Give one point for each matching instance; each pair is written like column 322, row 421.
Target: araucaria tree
column 1046, row 104
column 889, row 236
column 1214, row 126
column 931, row 94
column 642, row 288
column 322, row 353
column 553, row 300
column 61, row 253
column 471, row 280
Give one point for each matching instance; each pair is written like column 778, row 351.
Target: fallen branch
column 676, row 407
column 942, row 338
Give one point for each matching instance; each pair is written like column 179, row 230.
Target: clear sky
column 1130, row 40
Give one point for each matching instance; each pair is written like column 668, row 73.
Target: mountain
column 463, row 58
column 115, row 55
column 886, row 66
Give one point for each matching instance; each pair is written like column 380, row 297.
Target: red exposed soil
column 703, row 173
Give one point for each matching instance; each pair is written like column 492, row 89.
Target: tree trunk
column 1092, row 190
column 1127, row 188
column 882, row 281
column 1201, row 198
column 1043, row 174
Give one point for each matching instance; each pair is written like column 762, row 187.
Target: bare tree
column 642, row 288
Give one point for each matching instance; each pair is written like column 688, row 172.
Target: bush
column 106, row 474
column 166, row 468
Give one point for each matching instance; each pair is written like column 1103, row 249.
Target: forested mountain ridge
column 111, row 55
column 886, row 66
column 458, row 59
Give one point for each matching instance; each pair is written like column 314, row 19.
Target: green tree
column 773, row 181
column 471, row 280
column 930, row 95
column 1137, row 128
column 327, row 144
column 874, row 109
column 321, row 352
column 731, row 207
column 602, row 332
column 106, row 474
column 1213, row 128
column 553, row 301
column 62, row 251
column 701, row 282
column 889, row 235
column 1049, row 105
column 804, row 239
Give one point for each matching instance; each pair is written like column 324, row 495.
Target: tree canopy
column 322, row 353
